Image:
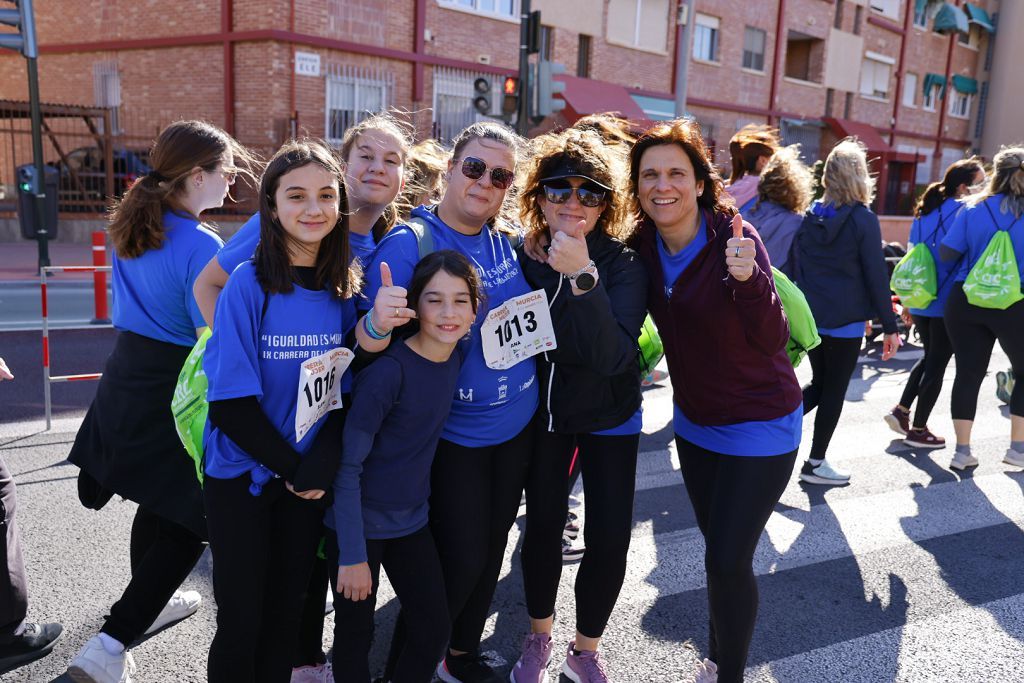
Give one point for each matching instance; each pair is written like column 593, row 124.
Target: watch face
column 585, row 281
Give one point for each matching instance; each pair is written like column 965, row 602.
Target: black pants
column 925, row 380
column 608, row 464
column 310, row 650
column 13, row 586
column 414, row 570
column 263, row 549
column 162, row 556
column 973, row 331
column 732, row 498
column 474, row 500
column 832, row 366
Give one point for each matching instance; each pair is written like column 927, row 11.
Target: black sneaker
column 35, row 642
column 467, row 668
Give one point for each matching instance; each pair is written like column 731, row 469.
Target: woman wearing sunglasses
column 574, row 197
column 480, row 465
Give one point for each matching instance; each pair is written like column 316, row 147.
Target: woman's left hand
column 739, row 252
column 568, row 252
column 312, row 494
column 390, row 307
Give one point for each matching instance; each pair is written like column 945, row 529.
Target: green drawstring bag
column 803, row 331
column 994, row 281
column 914, row 279
column 189, row 404
column 651, row 348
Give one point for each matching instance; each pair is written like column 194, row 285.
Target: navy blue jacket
column 841, row 270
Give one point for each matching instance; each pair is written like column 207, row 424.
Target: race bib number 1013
column 519, row 328
column 319, row 388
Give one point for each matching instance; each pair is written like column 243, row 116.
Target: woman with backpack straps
column 933, row 217
column 841, row 271
column 974, row 329
column 479, row 470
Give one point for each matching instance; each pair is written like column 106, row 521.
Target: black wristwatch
column 585, row 278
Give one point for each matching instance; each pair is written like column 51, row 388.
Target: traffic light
column 548, row 87
column 482, row 101
column 28, row 180
column 22, row 18
column 510, row 101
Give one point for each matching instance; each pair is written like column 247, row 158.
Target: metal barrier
column 47, row 378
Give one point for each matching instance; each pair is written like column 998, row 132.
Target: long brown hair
column 749, row 144
column 959, row 173
column 686, row 134
column 786, row 181
column 136, row 220
column 336, row 270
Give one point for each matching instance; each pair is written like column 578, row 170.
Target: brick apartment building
column 910, row 77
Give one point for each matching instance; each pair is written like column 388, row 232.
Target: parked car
column 90, row 193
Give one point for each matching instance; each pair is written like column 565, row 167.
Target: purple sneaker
column 532, row 666
column 584, row 667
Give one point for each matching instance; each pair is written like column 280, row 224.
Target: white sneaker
column 93, row 664
column 182, row 604
column 961, row 461
column 707, row 672
column 313, row 674
column 1014, row 458
column 824, row 474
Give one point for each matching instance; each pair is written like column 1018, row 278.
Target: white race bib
column 519, row 328
column 319, row 388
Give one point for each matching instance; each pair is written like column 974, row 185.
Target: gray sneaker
column 1014, row 458
column 532, row 666
column 823, row 474
column 961, row 461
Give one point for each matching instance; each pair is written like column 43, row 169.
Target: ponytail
column 958, row 173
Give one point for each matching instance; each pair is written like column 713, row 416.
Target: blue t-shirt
column 930, row 229
column 153, row 293
column 633, row 425
column 768, row 437
column 489, row 406
column 399, row 406
column 973, row 228
column 242, row 245
column 847, row 331
column 252, row 353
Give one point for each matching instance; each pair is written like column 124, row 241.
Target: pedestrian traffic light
column 510, row 102
column 28, row 181
column 22, row 18
column 482, row 101
column 548, row 87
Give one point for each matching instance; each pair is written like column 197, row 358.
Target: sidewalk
column 19, row 260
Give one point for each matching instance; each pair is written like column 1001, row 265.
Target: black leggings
column 414, row 570
column 609, row 479
column 310, row 651
column 162, row 556
column 925, row 380
column 263, row 549
column 973, row 331
column 832, row 366
column 474, row 500
column 732, row 497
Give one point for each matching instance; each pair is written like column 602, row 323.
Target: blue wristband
column 372, row 331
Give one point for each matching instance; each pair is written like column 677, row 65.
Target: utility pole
column 684, row 18
column 525, row 87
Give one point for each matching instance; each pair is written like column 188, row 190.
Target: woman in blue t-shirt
column 480, row 467
column 277, row 366
column 127, row 444
column 374, row 154
column 399, row 406
column 973, row 330
column 933, row 217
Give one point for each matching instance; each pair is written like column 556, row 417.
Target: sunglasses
column 474, row 169
column 589, row 196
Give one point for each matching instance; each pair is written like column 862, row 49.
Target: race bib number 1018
column 319, row 388
column 519, row 328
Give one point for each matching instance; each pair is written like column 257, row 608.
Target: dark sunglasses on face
column 474, row 169
column 589, row 196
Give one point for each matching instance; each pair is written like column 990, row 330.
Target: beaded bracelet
column 372, row 331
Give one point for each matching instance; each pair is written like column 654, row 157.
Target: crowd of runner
column 405, row 340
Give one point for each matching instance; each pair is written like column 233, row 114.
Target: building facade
column 912, row 78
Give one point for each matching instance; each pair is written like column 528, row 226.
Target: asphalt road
column 70, row 302
column 908, row 574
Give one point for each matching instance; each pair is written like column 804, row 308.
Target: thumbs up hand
column 568, row 252
column 739, row 252
column 390, row 307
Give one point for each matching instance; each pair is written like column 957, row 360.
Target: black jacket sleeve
column 320, row 464
column 244, row 422
column 872, row 263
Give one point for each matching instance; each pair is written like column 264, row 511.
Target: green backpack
column 803, row 332
column 189, row 404
column 994, row 281
column 914, row 279
column 651, row 348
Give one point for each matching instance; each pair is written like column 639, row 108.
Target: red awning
column 867, row 134
column 585, row 96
